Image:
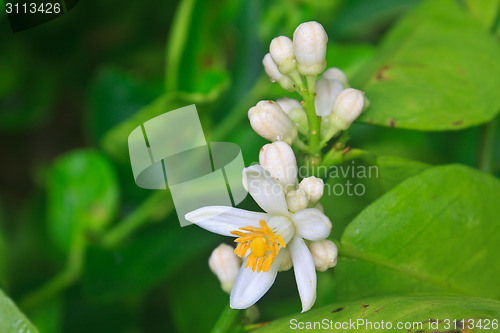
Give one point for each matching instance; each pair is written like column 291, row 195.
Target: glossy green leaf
column 421, row 313
column 11, row 319
column 353, row 186
column 436, row 231
column 82, row 196
column 485, row 11
column 437, row 69
column 349, row 57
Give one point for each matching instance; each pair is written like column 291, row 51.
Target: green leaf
column 418, row 312
column 349, row 57
column 485, row 11
column 436, row 70
column 436, row 231
column 11, row 319
column 393, row 170
column 82, row 196
column 353, row 186
column 141, row 264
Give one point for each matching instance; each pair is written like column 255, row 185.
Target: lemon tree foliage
column 419, row 313
column 437, row 69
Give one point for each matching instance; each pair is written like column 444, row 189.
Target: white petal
column 312, row 224
column 305, row 273
column 223, row 219
column 265, row 190
column 326, row 94
column 250, row 286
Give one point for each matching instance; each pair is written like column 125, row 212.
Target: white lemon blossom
column 264, row 238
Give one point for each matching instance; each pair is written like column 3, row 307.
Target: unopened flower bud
column 286, row 260
column 281, row 50
column 319, row 207
column 225, row 264
column 271, row 122
column 313, row 187
column 296, row 112
column 334, row 73
column 309, row 44
column 275, row 75
column 327, row 91
column 324, row 253
column 347, row 108
column 279, row 160
column 296, row 200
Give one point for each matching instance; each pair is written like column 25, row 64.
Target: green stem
column 61, row 281
column 229, row 321
column 156, row 205
column 177, row 42
column 314, row 124
column 336, row 157
column 487, row 146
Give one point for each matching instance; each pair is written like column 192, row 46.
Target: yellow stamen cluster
column 263, row 245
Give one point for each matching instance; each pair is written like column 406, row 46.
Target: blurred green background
column 72, row 89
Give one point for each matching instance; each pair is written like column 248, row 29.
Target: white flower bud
column 296, row 200
column 327, row 91
column 320, row 207
column 275, row 75
column 288, row 104
column 347, row 108
column 286, row 260
column 324, row 253
column 281, row 50
column 309, row 44
column 225, row 264
column 334, row 73
column 279, row 160
column 296, row 112
column 313, row 187
column 271, row 122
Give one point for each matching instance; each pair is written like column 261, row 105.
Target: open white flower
column 264, row 238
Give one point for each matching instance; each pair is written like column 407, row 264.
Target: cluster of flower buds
column 335, row 102
column 330, row 106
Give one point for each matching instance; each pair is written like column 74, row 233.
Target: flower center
column 263, row 245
